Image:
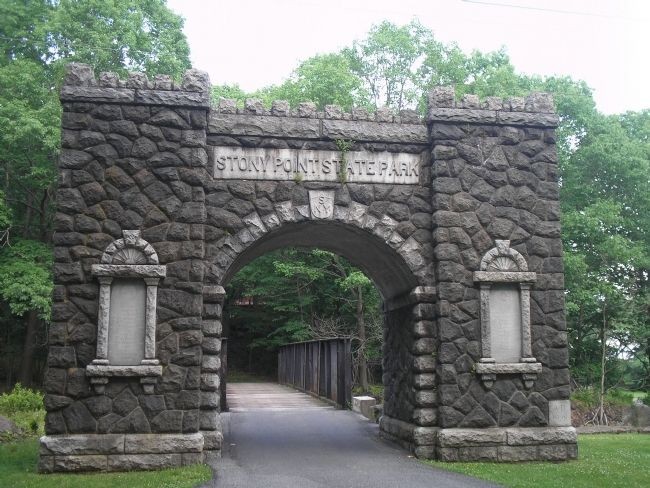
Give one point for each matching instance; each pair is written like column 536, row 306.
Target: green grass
column 608, row 460
column 18, row 470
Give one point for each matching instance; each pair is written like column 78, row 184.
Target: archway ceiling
column 385, row 267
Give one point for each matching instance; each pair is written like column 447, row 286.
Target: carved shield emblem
column 321, row 204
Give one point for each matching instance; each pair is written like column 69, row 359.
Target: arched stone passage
column 408, row 373
column 413, row 201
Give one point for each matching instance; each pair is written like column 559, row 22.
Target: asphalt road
column 314, row 448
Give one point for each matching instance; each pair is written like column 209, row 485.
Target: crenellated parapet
column 535, row 110
column 81, row 85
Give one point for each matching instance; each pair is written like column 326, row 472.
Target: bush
column 588, row 397
column 31, row 423
column 20, row 399
column 25, row 408
column 620, row 397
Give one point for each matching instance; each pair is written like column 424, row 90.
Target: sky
column 255, row 43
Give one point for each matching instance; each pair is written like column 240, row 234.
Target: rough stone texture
column 137, row 155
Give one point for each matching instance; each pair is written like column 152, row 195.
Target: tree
column 323, row 79
column 120, row 35
column 26, row 287
column 606, row 233
column 388, row 62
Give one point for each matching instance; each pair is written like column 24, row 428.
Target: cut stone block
column 364, row 405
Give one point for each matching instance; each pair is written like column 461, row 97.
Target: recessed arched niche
column 128, row 277
column 505, row 284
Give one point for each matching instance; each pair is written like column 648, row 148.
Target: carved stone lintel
column 130, row 270
column 505, row 276
column 93, row 370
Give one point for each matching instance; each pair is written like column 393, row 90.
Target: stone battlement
column 81, row 85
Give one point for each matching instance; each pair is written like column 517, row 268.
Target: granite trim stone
column 507, row 444
column 117, row 452
column 106, row 370
column 508, row 368
column 129, row 270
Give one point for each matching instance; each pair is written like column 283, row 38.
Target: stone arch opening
column 402, row 292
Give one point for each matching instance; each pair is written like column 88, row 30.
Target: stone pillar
column 410, row 401
column 495, row 177
column 133, row 158
column 210, row 424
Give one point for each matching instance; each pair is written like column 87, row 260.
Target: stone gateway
column 162, row 198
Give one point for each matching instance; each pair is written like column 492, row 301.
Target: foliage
column 20, row 399
column 25, row 277
column 233, row 92
column 118, row 36
column 388, row 62
column 588, row 397
column 25, row 408
column 604, row 460
column 606, row 234
column 18, row 469
column 323, row 79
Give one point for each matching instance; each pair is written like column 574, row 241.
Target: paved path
column 269, row 446
column 247, row 397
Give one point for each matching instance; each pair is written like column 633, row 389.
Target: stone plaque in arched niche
column 505, row 284
column 126, row 324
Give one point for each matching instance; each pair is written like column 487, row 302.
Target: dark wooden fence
column 223, row 374
column 322, row 368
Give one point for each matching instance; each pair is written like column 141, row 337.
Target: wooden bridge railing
column 322, row 368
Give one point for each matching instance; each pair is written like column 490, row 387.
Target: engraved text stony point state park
column 305, row 165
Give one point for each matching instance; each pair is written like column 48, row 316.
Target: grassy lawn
column 606, row 460
column 18, row 470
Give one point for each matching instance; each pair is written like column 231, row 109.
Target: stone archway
column 408, row 377
column 416, row 202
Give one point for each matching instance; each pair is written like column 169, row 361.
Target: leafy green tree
column 120, row 35
column 323, row 79
column 605, row 203
column 29, row 137
column 388, row 62
column 26, row 287
column 233, row 92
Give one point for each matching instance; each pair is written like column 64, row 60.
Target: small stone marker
column 364, row 405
